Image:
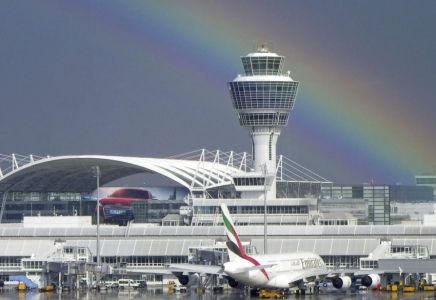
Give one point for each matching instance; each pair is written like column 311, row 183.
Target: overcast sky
column 148, row 78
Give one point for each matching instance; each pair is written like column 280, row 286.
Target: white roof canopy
column 198, row 170
column 74, row 173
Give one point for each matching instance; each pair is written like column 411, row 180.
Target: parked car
column 127, row 283
column 111, row 284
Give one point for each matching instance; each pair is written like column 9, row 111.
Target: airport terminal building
column 33, row 188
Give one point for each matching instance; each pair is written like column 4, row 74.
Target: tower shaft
column 264, row 154
column 263, row 98
column 264, row 148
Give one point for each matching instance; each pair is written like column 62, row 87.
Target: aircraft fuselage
column 280, row 270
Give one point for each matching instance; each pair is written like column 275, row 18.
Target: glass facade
column 10, row 262
column 379, row 209
column 262, row 65
column 253, row 119
column 333, row 222
column 286, row 189
column 405, row 193
column 260, row 95
column 368, row 264
column 342, row 192
column 354, row 206
column 411, row 250
column 154, row 210
column 140, row 211
column 271, row 209
column 144, row 261
column 250, row 181
column 34, row 265
column 20, row 204
column 341, row 261
column 377, row 197
column 426, row 179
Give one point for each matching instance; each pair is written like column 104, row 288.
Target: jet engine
column 234, row 284
column 371, row 281
column 189, row 280
column 343, row 282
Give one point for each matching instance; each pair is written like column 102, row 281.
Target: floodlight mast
column 98, row 216
column 96, row 171
column 265, row 214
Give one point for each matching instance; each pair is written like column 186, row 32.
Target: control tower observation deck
column 263, row 99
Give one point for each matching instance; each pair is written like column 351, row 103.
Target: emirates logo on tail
column 234, row 245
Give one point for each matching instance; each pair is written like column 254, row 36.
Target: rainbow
column 344, row 123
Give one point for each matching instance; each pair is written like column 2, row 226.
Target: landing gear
column 309, row 290
column 300, row 292
column 254, row 292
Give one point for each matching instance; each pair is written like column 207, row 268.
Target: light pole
column 265, row 221
column 97, row 175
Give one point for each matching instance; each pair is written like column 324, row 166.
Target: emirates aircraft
column 277, row 271
column 273, row 271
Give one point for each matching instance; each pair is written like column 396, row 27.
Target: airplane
column 272, row 271
column 276, row 271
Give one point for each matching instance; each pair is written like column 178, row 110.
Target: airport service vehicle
column 127, row 283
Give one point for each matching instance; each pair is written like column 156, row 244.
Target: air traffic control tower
column 263, row 98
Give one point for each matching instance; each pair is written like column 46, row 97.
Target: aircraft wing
column 353, row 272
column 157, row 271
column 322, row 274
column 183, row 269
column 193, row 268
column 367, row 272
column 306, row 276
